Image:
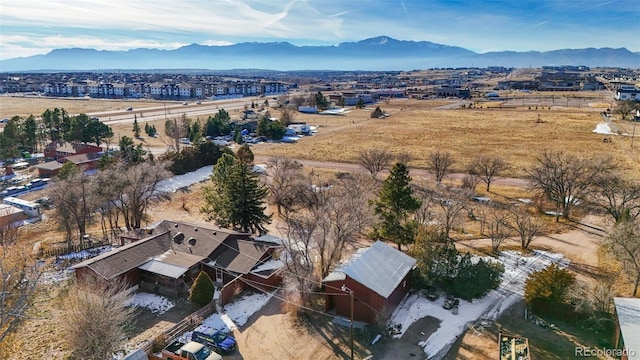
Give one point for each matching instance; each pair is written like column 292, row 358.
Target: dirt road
column 413, row 172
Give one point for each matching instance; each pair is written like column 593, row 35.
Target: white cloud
column 13, row 46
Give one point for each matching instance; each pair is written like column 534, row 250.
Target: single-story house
column 627, row 339
column 167, row 259
column 379, row 277
column 49, row 168
column 10, row 216
column 87, row 161
column 60, row 149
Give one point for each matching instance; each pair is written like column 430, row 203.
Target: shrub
column 475, row 280
column 551, row 284
column 202, row 289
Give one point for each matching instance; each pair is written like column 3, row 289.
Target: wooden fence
column 188, row 323
column 72, row 248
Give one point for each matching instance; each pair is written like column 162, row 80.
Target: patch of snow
column 182, row 181
column 236, row 314
column 155, row 303
column 269, row 265
column 603, row 128
column 62, row 272
column 511, row 290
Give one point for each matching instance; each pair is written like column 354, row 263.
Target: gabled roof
column 240, row 256
column 380, row 268
column 197, row 238
column 83, row 158
column 172, row 247
column 70, row 147
column 50, row 165
column 628, row 311
column 119, row 261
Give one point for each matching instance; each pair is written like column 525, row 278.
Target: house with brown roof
column 61, row 149
column 167, row 259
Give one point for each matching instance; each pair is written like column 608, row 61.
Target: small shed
column 379, row 277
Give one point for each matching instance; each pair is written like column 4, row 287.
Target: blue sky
column 30, row 27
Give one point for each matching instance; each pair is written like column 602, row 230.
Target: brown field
column 25, row 106
column 512, row 133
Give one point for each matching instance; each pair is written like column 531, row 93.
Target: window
column 404, row 284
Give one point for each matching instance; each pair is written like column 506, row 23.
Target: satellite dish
column 178, row 238
column 192, row 241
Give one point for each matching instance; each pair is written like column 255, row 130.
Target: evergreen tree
column 29, row 133
column 395, row 205
column 136, row 127
column 236, row 198
column 202, row 290
column 321, row 101
column 360, row 103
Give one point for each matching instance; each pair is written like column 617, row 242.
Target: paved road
column 172, row 110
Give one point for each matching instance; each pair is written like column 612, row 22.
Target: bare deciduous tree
column 176, row 129
column 331, row 223
column 525, row 226
column 452, row 206
column 287, row 116
column 19, row 275
column 498, row 228
column 374, row 160
column 470, row 182
column 439, row 164
column 74, row 201
column 96, row 318
column 615, row 196
column 130, row 189
column 284, row 180
column 565, row 179
column 624, row 243
column 487, row 168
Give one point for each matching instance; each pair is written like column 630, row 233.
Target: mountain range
column 378, row 53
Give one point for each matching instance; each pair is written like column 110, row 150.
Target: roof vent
column 195, row 229
column 175, row 225
column 214, row 232
column 192, row 241
column 178, row 238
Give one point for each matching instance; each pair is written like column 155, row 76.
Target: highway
column 170, row 111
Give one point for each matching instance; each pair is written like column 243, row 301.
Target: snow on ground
column 61, row 270
column 181, row 181
column 510, row 291
column 236, row 314
column 603, row 128
column 155, row 303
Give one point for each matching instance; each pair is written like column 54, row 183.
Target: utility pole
column 344, row 288
column 635, row 121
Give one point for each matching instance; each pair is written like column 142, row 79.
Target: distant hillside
column 379, row 53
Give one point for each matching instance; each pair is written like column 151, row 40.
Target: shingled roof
column 120, row 260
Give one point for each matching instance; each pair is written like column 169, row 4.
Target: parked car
column 216, row 340
column 189, row 351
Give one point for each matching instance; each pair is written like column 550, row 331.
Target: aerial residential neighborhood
column 264, row 180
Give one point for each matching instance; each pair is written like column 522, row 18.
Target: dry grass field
column 515, row 134
column 31, row 105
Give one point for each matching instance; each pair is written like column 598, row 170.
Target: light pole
column 346, row 289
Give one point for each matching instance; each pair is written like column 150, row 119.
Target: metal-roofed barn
column 379, row 276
